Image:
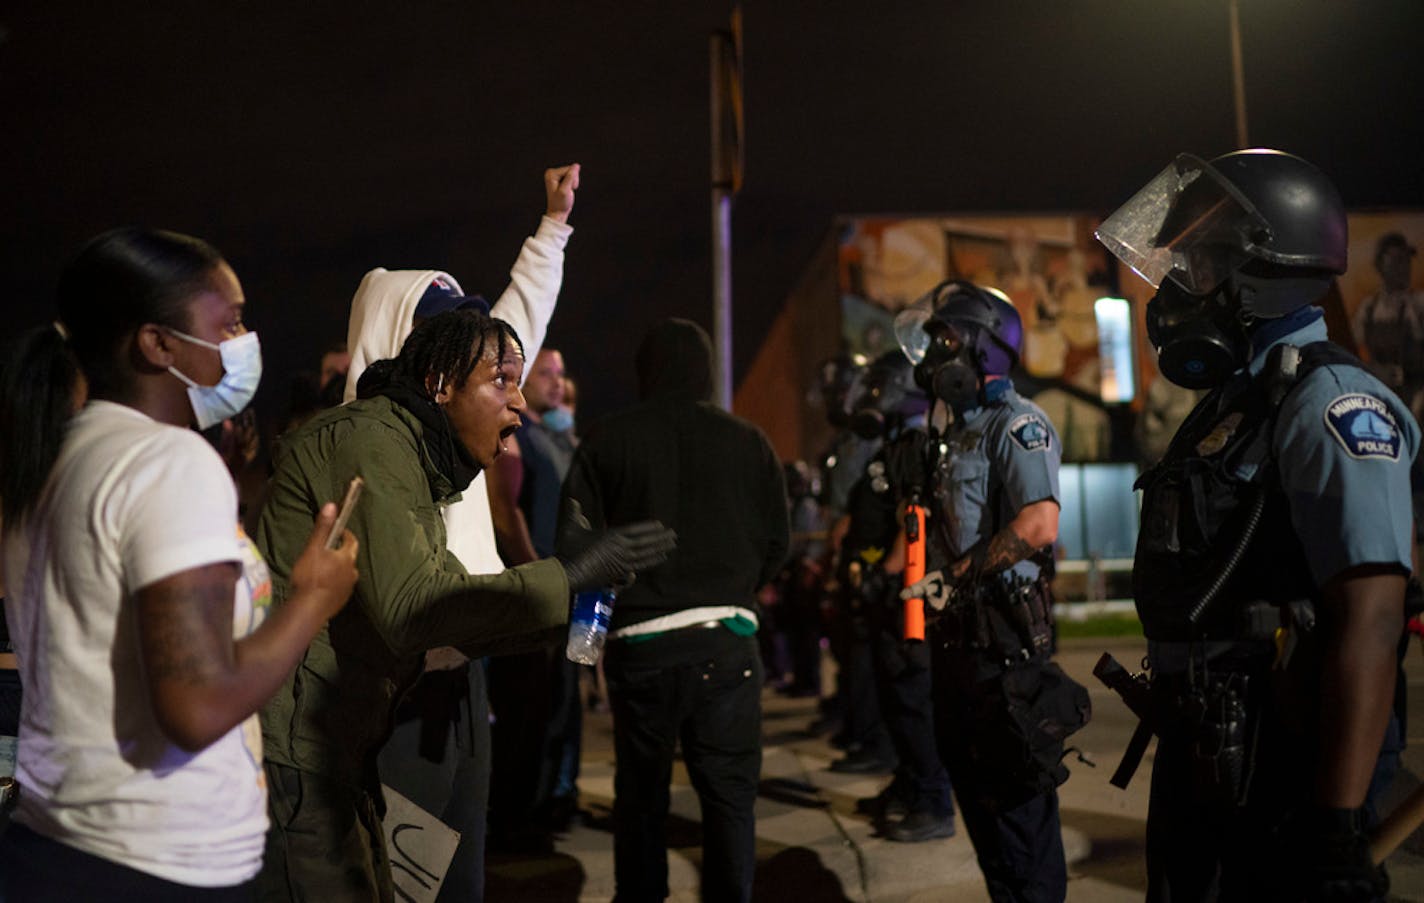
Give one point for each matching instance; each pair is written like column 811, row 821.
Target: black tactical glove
column 614, row 557
column 905, row 465
column 1332, row 846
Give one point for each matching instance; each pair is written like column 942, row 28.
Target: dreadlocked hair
column 449, row 345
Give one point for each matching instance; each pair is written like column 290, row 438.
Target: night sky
column 311, row 142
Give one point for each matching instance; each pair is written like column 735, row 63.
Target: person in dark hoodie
column 682, row 661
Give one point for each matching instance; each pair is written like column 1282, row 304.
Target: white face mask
column 242, row 371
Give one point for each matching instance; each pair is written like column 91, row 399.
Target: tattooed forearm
column 1003, row 550
column 185, row 626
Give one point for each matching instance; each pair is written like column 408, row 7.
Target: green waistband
column 738, row 624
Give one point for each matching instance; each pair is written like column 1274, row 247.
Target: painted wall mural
column 1049, row 266
column 1054, row 271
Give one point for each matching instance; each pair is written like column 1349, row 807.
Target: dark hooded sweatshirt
column 679, row 458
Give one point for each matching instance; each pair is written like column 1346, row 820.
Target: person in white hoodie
column 439, row 755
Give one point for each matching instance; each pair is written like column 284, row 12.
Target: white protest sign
column 420, row 847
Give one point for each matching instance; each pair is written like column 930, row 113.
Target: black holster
column 1012, row 619
column 1218, row 714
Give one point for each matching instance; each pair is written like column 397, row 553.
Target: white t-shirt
column 129, row 502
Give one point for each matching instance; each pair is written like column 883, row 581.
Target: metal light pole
column 726, row 140
column 1238, row 77
column 722, row 292
column 721, row 226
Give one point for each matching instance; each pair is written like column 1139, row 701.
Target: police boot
column 918, row 827
column 863, row 761
column 892, row 802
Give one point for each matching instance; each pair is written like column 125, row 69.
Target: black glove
column 614, row 557
column 905, row 463
column 1335, row 852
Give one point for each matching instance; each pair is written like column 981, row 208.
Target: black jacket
column 677, row 457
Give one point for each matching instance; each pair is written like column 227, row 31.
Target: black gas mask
column 1200, row 339
column 950, row 368
column 869, row 423
column 883, row 397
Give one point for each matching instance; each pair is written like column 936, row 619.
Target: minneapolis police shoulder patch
column 1029, row 432
column 1364, row 425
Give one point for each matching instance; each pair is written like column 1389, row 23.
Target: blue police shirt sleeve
column 1343, row 445
column 1028, row 450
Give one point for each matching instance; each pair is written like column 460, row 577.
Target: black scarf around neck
column 449, row 455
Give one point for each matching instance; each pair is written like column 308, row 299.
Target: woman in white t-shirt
column 136, row 606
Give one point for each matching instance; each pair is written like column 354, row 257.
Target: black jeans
column 35, row 868
column 700, row 687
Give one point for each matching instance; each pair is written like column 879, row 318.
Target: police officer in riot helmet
column 883, row 399
column 838, row 375
column 989, row 484
column 916, row 806
column 841, row 462
column 877, row 403
column 845, row 459
column 1275, row 543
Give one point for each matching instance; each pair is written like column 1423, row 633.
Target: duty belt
column 1194, row 678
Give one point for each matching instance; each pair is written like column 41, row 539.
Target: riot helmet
column 1252, row 235
column 956, row 335
column 838, row 374
column 884, row 396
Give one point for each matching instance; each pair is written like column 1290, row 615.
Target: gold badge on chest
column 1220, row 434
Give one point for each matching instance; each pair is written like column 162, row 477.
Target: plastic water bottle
column 588, row 625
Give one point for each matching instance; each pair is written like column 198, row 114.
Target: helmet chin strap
column 1263, row 298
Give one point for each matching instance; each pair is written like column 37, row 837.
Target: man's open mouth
column 504, row 435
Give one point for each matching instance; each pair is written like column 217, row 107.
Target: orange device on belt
column 914, row 569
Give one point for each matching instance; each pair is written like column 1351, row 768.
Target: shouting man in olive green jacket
column 423, row 426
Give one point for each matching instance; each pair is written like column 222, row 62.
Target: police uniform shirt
column 997, row 459
column 1343, row 444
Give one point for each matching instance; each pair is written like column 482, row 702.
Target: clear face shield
column 910, row 328
column 1188, row 224
column 877, row 388
column 916, row 330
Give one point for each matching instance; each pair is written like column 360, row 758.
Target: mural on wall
column 1383, row 295
column 1054, row 270
column 1049, row 266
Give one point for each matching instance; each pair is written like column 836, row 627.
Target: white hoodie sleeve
column 535, row 280
column 527, row 305
column 381, row 320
